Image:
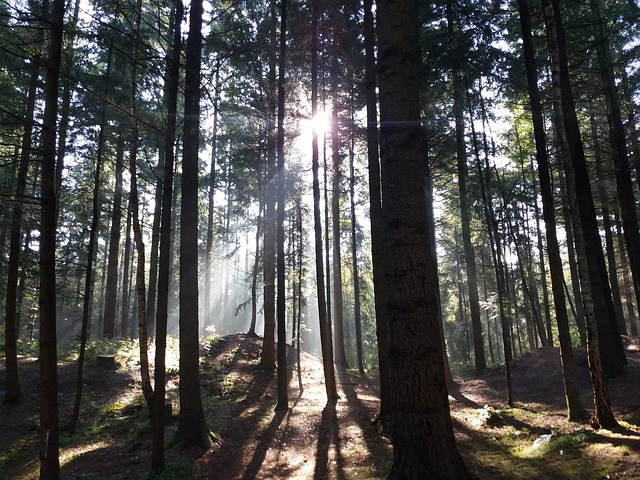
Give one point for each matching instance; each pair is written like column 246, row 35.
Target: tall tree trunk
column 208, row 320
column 256, row 263
column 325, row 327
column 335, row 16
column 465, row 210
column 354, row 263
column 192, row 426
column 13, row 268
column 89, row 275
column 626, row 281
column 268, row 360
column 595, row 289
column 495, row 244
column 141, row 297
column 375, row 208
column 49, row 421
column 575, row 409
column 605, row 199
column 164, row 254
column 283, row 397
column 620, row 155
column 579, row 314
column 111, row 297
column 422, row 437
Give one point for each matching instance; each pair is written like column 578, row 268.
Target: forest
column 320, row 239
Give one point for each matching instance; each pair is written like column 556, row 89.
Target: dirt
column 313, row 439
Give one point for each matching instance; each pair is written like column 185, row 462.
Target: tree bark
column 465, row 211
column 575, row 409
column 283, row 396
column 192, row 426
column 423, row 441
column 15, row 245
column 596, row 295
column 375, row 208
column 325, row 327
column 164, row 253
column 626, row 198
column 49, row 421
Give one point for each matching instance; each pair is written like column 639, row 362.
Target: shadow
column 327, row 432
column 266, row 440
column 456, row 394
column 364, row 417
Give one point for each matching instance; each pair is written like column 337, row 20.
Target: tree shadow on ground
column 328, row 433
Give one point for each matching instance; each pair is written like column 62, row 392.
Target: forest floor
column 314, row 440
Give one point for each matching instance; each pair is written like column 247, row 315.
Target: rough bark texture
column 283, row 397
column 609, row 338
column 13, row 267
column 164, row 254
column 375, row 206
column 49, row 422
column 268, row 360
column 325, row 328
column 575, row 409
column 192, row 427
column 423, row 441
column 595, row 296
column 465, row 211
column 619, row 150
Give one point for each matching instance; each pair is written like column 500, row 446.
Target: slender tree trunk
column 593, row 282
column 192, row 426
column 498, row 263
column 610, row 343
column 579, row 314
column 210, row 210
column 338, row 319
column 422, row 437
column 268, row 360
column 465, row 210
column 283, row 397
column 48, row 386
column 15, row 244
column 626, row 281
column 575, row 409
column 619, row 149
column 354, row 263
column 605, row 198
column 256, row 264
column 325, row 327
column 375, row 209
column 141, row 296
column 111, row 297
column 164, row 254
column 89, row 275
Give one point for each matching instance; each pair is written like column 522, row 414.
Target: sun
column 319, row 124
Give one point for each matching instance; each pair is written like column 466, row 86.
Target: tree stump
column 106, row 360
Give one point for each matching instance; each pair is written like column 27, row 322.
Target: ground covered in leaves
column 316, row 440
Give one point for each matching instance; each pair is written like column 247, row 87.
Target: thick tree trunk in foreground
column 423, row 441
